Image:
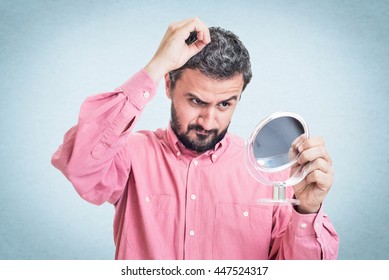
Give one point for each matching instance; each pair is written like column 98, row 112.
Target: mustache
column 197, row 127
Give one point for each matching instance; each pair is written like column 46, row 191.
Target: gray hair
column 223, row 58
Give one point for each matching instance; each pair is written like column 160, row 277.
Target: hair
column 223, row 58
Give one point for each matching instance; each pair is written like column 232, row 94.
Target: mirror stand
column 279, row 196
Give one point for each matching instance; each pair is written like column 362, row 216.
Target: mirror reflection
column 273, row 142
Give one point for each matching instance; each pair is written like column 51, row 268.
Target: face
column 202, row 108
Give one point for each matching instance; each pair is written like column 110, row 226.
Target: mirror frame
column 249, row 145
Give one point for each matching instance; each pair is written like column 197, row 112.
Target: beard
column 203, row 141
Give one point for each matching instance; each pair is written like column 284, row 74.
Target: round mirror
column 270, row 157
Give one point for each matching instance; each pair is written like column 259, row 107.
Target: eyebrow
column 191, row 95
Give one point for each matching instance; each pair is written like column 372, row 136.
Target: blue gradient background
column 326, row 60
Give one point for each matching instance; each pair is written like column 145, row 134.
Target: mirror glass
column 272, row 143
column 270, row 157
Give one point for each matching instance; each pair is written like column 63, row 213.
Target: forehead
column 194, row 82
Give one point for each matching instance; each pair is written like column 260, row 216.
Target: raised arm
column 94, row 153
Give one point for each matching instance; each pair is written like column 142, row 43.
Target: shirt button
column 245, row 213
column 146, row 94
column 178, row 154
column 191, row 233
column 195, row 162
column 303, row 225
column 214, row 156
column 147, row 199
column 193, row 197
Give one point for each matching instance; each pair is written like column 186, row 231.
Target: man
column 184, row 192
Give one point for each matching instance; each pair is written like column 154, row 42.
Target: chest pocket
column 242, row 231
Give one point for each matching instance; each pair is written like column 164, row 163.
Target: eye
column 197, row 101
column 224, row 105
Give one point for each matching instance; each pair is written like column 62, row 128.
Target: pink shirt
column 171, row 203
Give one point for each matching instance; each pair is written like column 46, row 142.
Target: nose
column 207, row 118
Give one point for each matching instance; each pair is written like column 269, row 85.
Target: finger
column 321, row 165
column 198, row 45
column 312, row 154
column 195, row 24
column 292, row 153
column 204, row 35
column 184, row 22
column 182, row 30
column 298, row 141
column 311, row 142
column 321, row 179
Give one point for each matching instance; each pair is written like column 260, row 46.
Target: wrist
column 307, row 210
column 156, row 72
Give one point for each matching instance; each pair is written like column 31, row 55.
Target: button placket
column 192, row 188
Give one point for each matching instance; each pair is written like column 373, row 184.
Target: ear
column 168, row 86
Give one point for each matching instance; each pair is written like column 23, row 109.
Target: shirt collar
column 180, row 150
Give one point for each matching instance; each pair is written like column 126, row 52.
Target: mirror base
column 280, row 202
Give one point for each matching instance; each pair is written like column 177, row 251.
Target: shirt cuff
column 139, row 89
column 307, row 224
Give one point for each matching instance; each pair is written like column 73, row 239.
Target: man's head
column 224, row 57
column 206, row 90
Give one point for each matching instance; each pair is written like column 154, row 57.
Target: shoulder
column 235, row 141
column 235, row 146
column 142, row 136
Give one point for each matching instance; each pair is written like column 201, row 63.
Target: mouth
column 202, row 132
